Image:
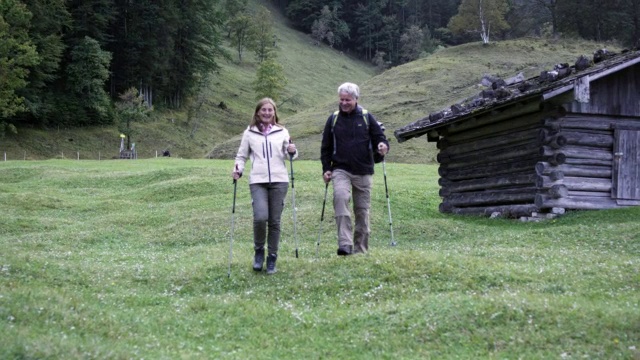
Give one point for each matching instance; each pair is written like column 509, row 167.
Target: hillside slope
column 220, row 112
column 211, row 125
column 409, row 92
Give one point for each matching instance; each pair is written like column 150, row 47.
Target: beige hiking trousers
column 344, row 184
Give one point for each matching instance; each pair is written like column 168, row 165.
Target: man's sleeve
column 326, row 147
column 376, row 132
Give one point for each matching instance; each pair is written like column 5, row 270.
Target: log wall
column 531, row 162
column 586, row 173
column 487, row 165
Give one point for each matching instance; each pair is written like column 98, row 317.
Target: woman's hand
column 236, row 174
column 291, row 149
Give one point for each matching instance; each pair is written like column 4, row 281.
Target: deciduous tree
column 481, row 17
column 241, row 30
column 130, row 108
column 262, row 40
column 411, row 43
column 270, row 80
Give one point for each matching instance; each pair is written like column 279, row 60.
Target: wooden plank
column 588, row 139
column 503, row 128
column 593, row 162
column 576, row 183
column 628, row 202
column 487, row 170
column 493, row 141
column 492, row 197
column 507, row 211
column 492, row 182
column 545, row 168
column 577, row 194
column 578, row 152
column 488, row 156
column 577, row 203
column 627, row 165
column 496, row 115
column 595, row 122
column 582, row 90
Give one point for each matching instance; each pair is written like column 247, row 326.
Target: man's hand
column 382, row 149
column 326, row 176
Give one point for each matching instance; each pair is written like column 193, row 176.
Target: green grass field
column 130, row 259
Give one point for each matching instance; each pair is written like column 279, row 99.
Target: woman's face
column 266, row 113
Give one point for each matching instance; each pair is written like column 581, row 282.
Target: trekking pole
column 326, row 187
column 386, row 189
column 233, row 211
column 293, row 202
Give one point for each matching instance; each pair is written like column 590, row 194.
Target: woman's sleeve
column 243, row 152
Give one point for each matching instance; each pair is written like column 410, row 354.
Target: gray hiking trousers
column 268, row 203
column 344, row 184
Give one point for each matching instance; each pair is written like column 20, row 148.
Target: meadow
column 130, row 260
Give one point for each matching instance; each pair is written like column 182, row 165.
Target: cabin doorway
column 626, row 166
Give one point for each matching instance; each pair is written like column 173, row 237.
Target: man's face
column 347, row 103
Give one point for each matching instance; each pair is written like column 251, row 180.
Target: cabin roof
column 548, row 84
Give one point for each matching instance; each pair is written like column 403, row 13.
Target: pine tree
column 50, row 21
column 17, row 55
column 86, row 76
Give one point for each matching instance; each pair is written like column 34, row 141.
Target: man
column 348, row 142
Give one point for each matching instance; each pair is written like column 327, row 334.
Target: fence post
column 78, row 155
column 99, row 156
column 5, row 156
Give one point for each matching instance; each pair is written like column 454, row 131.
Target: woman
column 268, row 145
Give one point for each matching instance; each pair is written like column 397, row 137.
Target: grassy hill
column 130, row 259
column 409, row 92
column 212, row 123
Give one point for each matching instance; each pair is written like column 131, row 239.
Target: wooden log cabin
column 567, row 139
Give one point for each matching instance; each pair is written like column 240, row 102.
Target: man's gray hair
column 349, row 88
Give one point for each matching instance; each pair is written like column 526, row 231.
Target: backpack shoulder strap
column 337, row 112
column 335, row 119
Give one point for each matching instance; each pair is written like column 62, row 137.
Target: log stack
column 526, row 162
column 582, row 179
column 487, row 165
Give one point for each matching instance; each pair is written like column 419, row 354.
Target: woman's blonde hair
column 255, row 121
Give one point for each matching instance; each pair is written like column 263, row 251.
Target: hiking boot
column 344, row 250
column 271, row 264
column 258, row 259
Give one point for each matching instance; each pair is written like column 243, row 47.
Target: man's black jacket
column 349, row 144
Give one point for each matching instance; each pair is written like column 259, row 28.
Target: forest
column 96, row 62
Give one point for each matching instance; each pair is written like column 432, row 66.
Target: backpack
column 377, row 158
